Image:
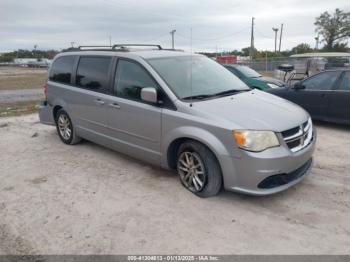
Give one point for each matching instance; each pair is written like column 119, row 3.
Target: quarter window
column 322, row 81
column 92, row 73
column 61, row 69
column 130, row 78
column 345, row 83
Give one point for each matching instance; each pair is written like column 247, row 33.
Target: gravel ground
column 86, row 199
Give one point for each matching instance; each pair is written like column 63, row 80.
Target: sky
column 214, row 24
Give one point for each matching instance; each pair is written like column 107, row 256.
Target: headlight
column 255, row 141
column 272, row 85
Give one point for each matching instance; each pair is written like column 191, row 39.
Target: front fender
column 195, row 133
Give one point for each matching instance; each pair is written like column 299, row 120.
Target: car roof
column 145, row 54
column 336, row 69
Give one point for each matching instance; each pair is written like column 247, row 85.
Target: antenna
column 191, row 70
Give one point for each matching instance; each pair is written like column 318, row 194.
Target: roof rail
column 99, row 48
column 124, row 46
column 117, row 47
column 94, row 46
column 172, row 49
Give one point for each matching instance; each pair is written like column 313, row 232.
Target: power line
column 262, row 34
column 214, row 38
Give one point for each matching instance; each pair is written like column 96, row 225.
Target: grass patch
column 19, row 108
column 22, row 81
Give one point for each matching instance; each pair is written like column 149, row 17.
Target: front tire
column 65, row 128
column 198, row 169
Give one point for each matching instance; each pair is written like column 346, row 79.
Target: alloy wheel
column 64, row 126
column 191, row 170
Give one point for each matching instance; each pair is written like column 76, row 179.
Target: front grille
column 283, row 179
column 298, row 137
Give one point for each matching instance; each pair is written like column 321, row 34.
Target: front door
column 134, row 126
column 340, row 100
column 315, row 97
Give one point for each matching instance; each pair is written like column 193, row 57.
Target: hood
column 271, row 80
column 256, row 110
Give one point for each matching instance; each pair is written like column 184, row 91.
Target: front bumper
column 267, row 172
column 45, row 113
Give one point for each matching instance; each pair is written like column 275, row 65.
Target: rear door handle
column 114, row 105
column 99, row 102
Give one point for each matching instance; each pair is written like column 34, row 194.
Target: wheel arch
column 55, row 110
column 57, row 105
column 175, row 138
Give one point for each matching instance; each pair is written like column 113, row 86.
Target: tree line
column 22, row 53
column 333, row 32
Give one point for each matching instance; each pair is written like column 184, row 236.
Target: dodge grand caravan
column 180, row 111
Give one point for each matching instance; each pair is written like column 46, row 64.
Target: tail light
column 45, row 90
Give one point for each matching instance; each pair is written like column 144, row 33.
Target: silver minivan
column 180, row 111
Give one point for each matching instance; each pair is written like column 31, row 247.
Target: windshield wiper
column 223, row 93
column 230, row 92
column 199, row 97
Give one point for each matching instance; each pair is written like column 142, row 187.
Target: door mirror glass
column 149, row 94
column 298, row 85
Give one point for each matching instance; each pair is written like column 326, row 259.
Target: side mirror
column 298, row 86
column 149, row 94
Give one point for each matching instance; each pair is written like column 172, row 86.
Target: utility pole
column 279, row 48
column 317, row 38
column 275, row 30
column 34, row 51
column 72, row 44
column 172, row 32
column 251, row 53
column 110, row 40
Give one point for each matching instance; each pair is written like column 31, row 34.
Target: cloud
column 222, row 24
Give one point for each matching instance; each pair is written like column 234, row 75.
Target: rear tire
column 198, row 169
column 65, row 128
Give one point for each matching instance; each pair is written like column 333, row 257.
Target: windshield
column 248, row 72
column 208, row 77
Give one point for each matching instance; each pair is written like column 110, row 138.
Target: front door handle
column 99, row 102
column 114, row 105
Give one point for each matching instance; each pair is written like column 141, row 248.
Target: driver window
column 130, row 78
column 322, row 81
column 345, row 83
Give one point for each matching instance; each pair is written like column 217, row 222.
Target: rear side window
column 61, row 69
column 92, row 73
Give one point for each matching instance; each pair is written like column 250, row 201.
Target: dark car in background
column 253, row 79
column 326, row 95
column 337, row 62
